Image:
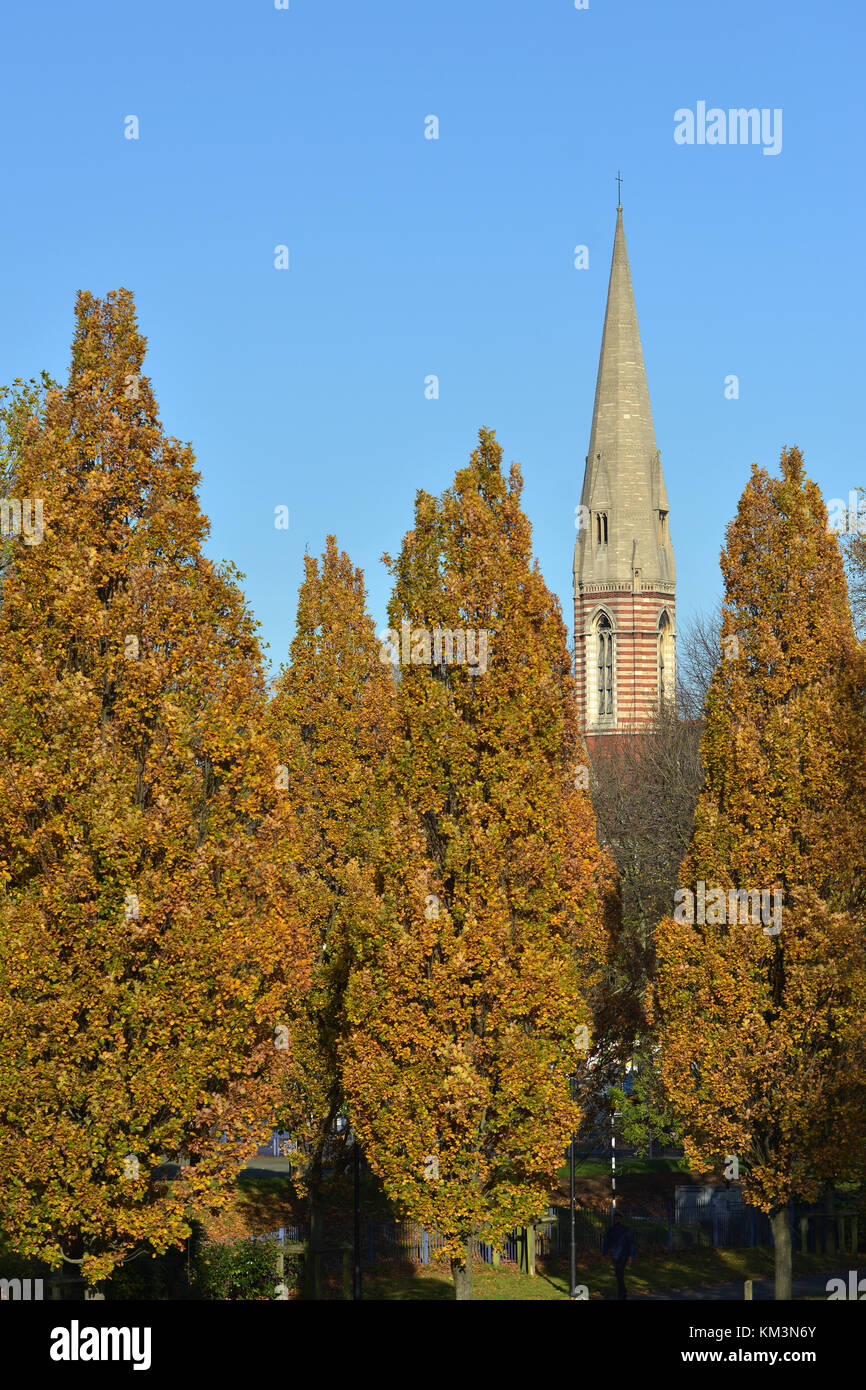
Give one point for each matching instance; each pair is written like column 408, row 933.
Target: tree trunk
column 314, row 1211
column 316, row 1241
column 781, row 1223
column 830, row 1232
column 461, row 1273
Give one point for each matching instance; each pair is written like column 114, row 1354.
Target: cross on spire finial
column 618, row 191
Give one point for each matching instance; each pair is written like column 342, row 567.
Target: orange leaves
column 762, row 1034
column 463, row 1015
column 132, row 773
column 331, row 718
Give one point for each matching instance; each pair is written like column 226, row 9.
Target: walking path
column 814, row 1285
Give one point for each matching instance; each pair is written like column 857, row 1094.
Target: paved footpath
column 762, row 1289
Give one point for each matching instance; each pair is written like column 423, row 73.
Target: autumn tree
column 147, row 940
column 467, row 1002
column 644, row 792
column 761, row 988
column 20, row 403
column 854, row 550
column 332, row 718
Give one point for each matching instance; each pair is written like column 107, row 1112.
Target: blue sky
column 411, row 257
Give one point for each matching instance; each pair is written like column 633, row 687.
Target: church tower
column 624, row 577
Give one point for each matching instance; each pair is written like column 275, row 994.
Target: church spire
column 623, row 478
column 624, row 576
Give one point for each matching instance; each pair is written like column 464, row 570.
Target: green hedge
column 241, row 1269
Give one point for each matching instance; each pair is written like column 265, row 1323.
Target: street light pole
column 614, row 1117
column 356, row 1281
column 572, row 1230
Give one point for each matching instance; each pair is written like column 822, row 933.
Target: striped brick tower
column 624, row 576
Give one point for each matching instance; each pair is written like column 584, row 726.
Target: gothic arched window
column 604, row 657
column 601, row 528
column 665, row 659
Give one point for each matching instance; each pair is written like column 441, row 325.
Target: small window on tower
column 663, row 527
column 601, row 528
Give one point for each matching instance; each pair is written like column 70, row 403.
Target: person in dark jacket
column 620, row 1245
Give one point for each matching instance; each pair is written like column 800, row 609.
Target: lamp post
column 572, row 1278
column 615, row 1115
column 612, row 1166
column 356, row 1279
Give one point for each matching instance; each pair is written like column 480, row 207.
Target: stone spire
column 623, row 481
column 624, row 576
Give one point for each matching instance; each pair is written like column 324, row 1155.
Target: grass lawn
column 600, row 1167
column 261, row 1203
column 653, row 1274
